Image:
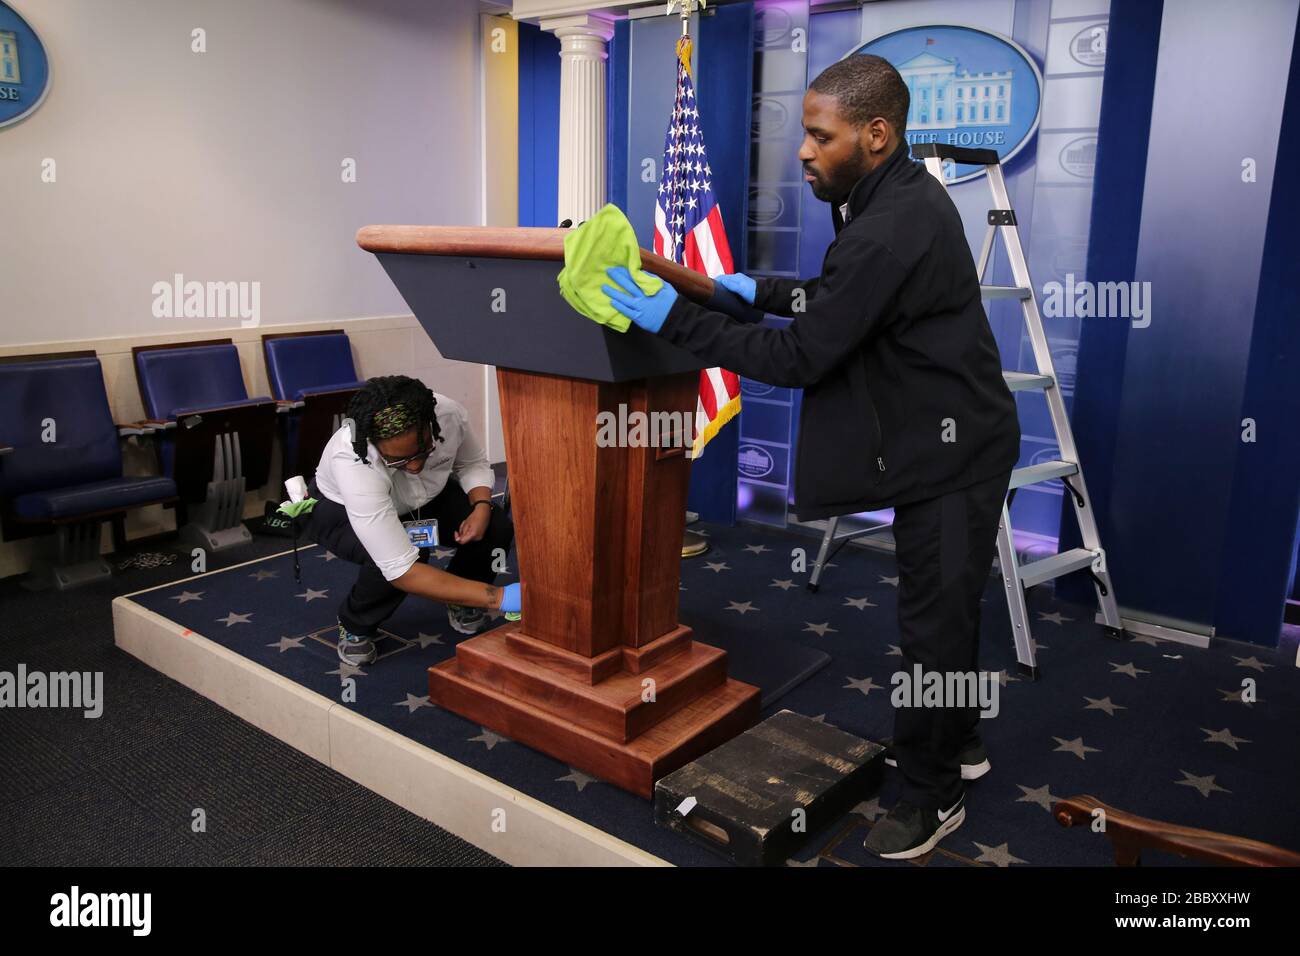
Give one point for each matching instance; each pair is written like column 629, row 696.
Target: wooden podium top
column 513, row 242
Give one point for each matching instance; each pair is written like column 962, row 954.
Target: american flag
column 688, row 230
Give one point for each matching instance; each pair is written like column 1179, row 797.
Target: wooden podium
column 599, row 673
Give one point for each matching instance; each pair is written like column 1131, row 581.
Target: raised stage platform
column 1122, row 721
column 257, row 643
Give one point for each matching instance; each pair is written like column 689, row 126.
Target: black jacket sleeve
column 854, row 298
column 777, row 295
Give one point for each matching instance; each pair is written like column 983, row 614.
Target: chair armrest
column 1129, row 834
column 127, row 429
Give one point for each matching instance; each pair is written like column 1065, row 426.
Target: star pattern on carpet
column 1104, row 704
column 1202, row 785
column 288, row 644
column 413, row 703
column 1075, row 746
column 311, row 595
column 488, row 738
column 1224, row 736
column 346, row 670
column 866, row 685
column 997, row 855
column 1056, row 617
column 442, row 554
column 1237, row 696
column 327, row 556
column 1167, row 743
column 1042, row 796
column 1130, row 669
column 577, row 778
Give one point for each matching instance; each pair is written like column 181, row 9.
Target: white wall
column 226, row 166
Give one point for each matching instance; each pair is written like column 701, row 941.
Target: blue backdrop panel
column 1200, row 247
column 1118, row 181
column 1256, row 566
column 539, row 126
column 616, row 111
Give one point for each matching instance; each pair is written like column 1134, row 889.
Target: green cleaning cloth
column 295, row 508
column 513, row 616
column 602, row 242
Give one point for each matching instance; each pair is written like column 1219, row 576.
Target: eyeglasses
column 421, row 452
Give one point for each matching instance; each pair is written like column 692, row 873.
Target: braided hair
column 380, row 395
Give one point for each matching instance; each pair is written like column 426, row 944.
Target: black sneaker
column 907, row 831
column 355, row 649
column 974, row 759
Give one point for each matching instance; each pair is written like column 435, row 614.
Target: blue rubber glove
column 646, row 311
column 510, row 599
column 739, row 283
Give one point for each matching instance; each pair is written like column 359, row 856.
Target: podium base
column 519, row 697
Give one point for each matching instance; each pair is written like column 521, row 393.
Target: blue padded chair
column 215, row 440
column 61, row 467
column 313, row 374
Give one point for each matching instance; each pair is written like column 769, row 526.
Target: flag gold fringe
column 684, row 47
column 725, row 414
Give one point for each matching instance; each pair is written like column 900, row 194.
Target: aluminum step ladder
column 1091, row 557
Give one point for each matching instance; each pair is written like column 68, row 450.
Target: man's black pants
column 945, row 547
column 373, row 599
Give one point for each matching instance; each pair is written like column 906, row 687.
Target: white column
column 583, row 41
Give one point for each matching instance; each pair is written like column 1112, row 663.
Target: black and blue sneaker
column 908, row 831
column 355, row 649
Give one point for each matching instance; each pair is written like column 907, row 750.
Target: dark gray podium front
column 599, row 673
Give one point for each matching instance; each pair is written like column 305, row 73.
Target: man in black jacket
column 904, row 404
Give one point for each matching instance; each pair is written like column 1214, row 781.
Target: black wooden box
column 746, row 792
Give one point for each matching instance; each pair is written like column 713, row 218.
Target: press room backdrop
column 1200, row 528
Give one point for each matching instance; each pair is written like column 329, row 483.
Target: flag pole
column 686, row 8
column 693, row 545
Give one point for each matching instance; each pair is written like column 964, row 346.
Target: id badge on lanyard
column 422, row 532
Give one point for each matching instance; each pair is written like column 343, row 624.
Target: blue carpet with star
column 1151, row 727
